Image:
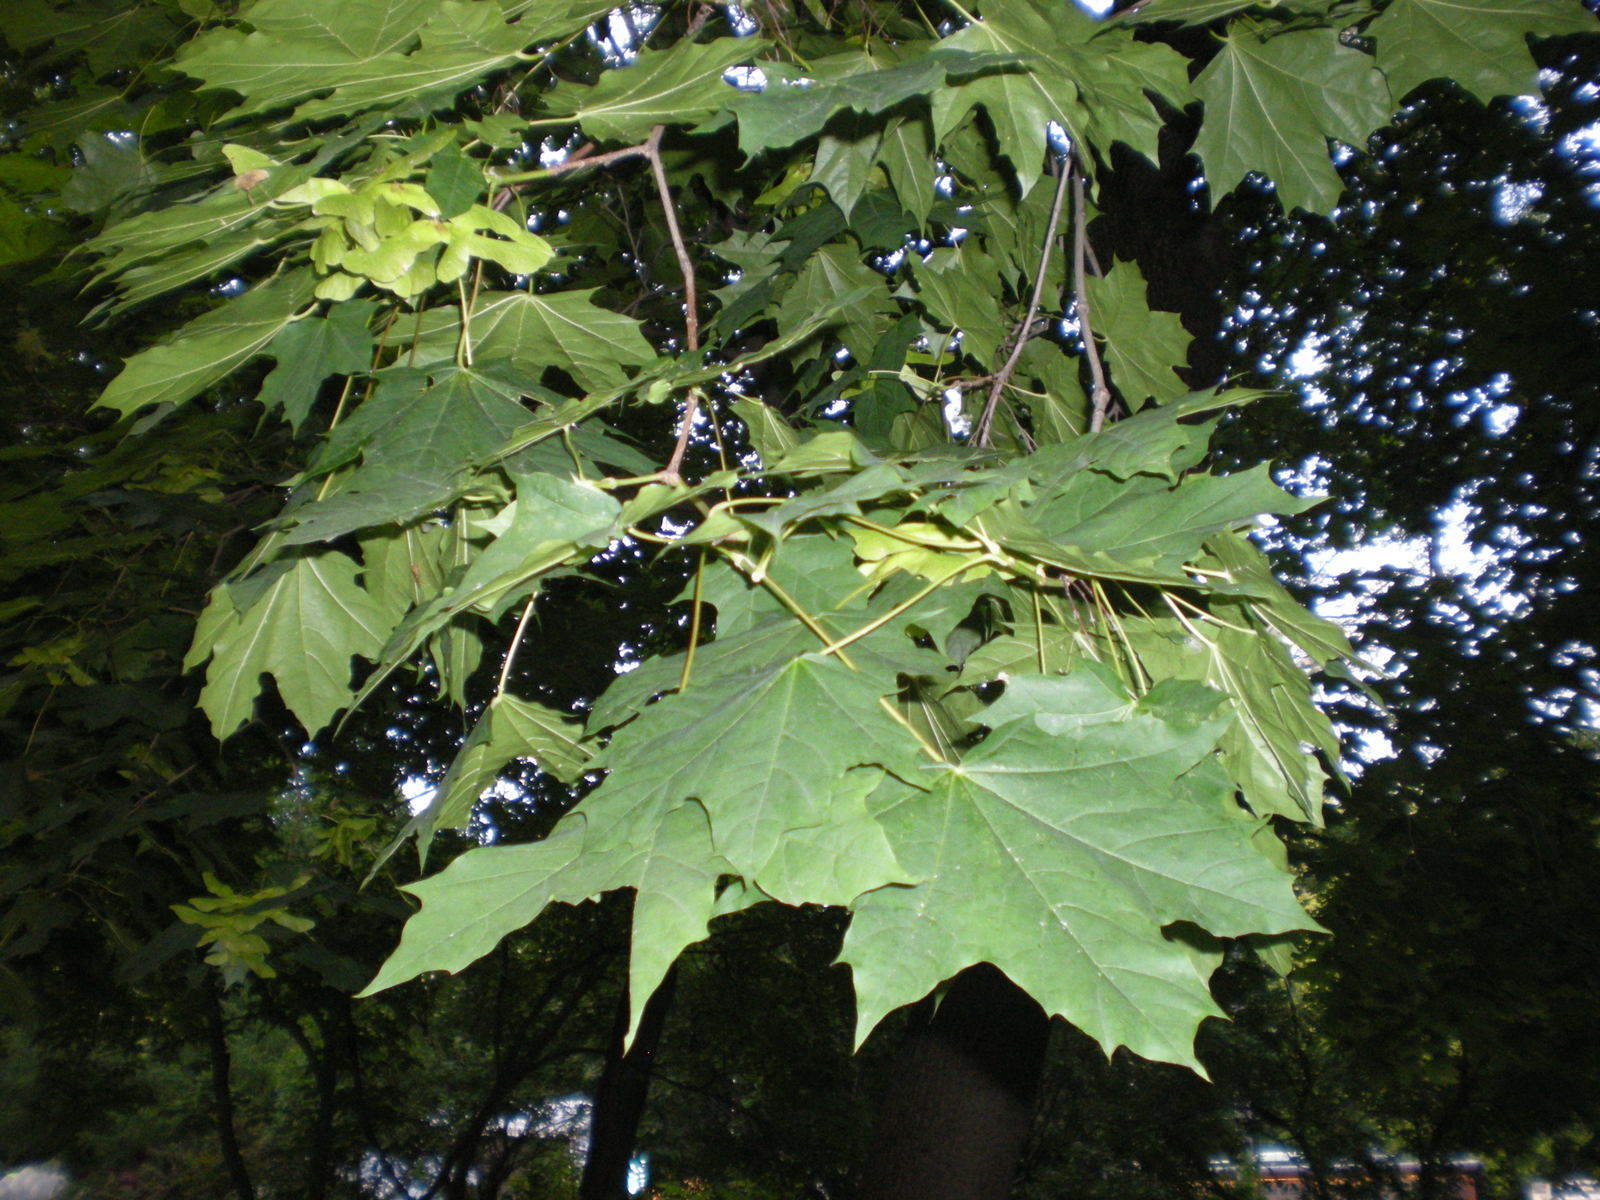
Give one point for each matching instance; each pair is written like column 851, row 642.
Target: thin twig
column 691, row 302
column 698, row 21
column 980, row 432
column 1100, row 394
column 583, row 157
column 580, row 159
column 691, row 319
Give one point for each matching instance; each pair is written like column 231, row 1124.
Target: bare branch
column 1100, row 395
column 691, row 302
column 1024, row 330
column 581, row 158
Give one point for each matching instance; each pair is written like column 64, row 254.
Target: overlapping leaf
column 309, row 351
column 563, row 329
column 766, row 753
column 556, row 522
column 1274, row 719
column 664, row 854
column 781, row 114
column 1088, row 825
column 681, row 85
column 417, row 436
column 1144, row 348
column 369, row 55
column 1481, row 44
column 1095, row 90
column 210, row 347
column 509, row 729
column 301, row 621
column 1272, row 106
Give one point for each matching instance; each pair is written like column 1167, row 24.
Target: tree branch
column 649, row 149
column 691, row 303
column 1100, row 396
column 583, row 156
column 222, row 1096
column 980, row 432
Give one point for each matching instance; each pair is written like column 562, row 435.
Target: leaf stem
column 1038, row 629
column 877, row 624
column 516, row 642
column 464, row 341
column 694, row 624
column 755, row 575
column 900, row 535
column 900, row 719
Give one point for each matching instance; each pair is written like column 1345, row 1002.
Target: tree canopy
column 820, row 335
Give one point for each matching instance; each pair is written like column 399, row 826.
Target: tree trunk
column 619, row 1098
column 222, row 1096
column 960, row 1094
column 319, row 1161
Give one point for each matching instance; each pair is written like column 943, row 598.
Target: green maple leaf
column 1481, row 44
column 845, row 158
column 1144, row 348
column 1141, row 518
column 417, row 436
column 906, row 156
column 769, row 433
column 1271, row 106
column 310, row 350
column 833, row 271
column 302, row 622
column 1061, row 849
column 1094, row 86
column 568, row 329
column 1020, row 103
column 1251, row 573
column 642, row 830
column 1116, row 72
column 677, row 86
column 1164, row 441
column 1273, row 717
column 368, row 55
column 816, row 571
column 1203, row 12
column 780, row 114
column 663, row 853
column 1138, row 529
column 958, row 286
column 556, row 521
column 764, row 752
column 509, row 729
column 209, row 347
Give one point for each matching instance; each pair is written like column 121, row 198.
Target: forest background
column 186, row 921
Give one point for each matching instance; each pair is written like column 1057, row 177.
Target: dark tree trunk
column 319, row 1162
column 960, row 1094
column 619, row 1098
column 222, row 1097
